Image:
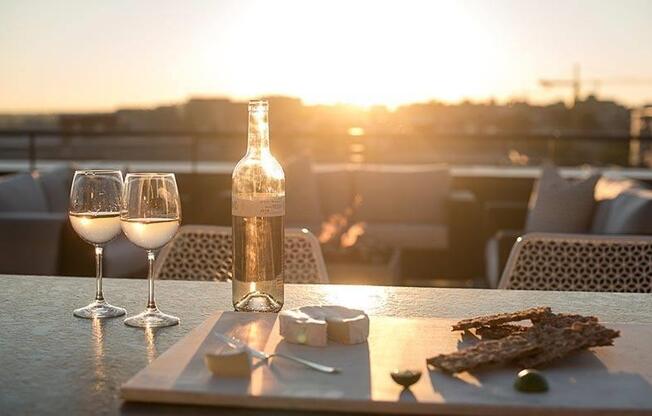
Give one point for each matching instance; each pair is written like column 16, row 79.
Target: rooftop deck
column 488, row 196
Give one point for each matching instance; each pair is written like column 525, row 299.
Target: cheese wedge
column 230, row 363
column 315, row 325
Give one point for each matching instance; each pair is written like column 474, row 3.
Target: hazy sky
column 73, row 55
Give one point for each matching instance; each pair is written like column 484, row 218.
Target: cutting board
column 614, row 379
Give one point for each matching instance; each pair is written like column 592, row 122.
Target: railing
column 195, row 148
column 35, row 146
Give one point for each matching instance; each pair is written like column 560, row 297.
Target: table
column 54, row 363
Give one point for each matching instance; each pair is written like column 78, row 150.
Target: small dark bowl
column 406, row 378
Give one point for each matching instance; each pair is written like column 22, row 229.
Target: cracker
column 500, row 331
column 558, row 342
column 562, row 320
column 483, row 353
column 502, row 318
column 551, row 336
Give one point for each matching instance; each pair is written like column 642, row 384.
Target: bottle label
column 266, row 206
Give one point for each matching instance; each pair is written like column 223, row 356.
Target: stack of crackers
column 549, row 337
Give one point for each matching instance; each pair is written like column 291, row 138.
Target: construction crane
column 576, row 82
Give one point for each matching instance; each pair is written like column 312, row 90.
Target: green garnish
column 530, row 381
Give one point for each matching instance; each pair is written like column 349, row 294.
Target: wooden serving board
column 614, row 380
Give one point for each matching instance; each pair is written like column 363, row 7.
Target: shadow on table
column 578, row 381
column 253, row 329
column 282, row 378
column 149, row 409
column 295, row 380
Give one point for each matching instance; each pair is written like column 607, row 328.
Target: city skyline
column 81, row 57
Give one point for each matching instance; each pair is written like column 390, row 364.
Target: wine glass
column 150, row 216
column 95, row 215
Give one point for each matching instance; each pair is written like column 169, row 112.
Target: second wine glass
column 150, row 217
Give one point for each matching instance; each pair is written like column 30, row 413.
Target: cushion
column 413, row 236
column 336, row 191
column 558, row 205
column 30, row 242
column 122, row 258
column 21, row 193
column 56, row 186
column 302, row 202
column 630, row 213
column 412, row 195
column 606, row 191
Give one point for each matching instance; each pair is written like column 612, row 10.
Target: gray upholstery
column 122, row 258
column 31, row 235
column 561, row 206
column 620, row 206
column 415, row 196
column 629, row 213
column 21, row 193
column 302, row 202
column 36, row 238
column 56, row 187
column 336, row 189
column 30, row 242
column 606, row 190
column 600, row 216
column 413, row 236
column 402, row 208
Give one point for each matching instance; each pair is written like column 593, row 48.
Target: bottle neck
column 258, row 132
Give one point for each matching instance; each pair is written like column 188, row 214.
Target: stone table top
column 54, row 363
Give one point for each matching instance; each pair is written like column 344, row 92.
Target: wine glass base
column 99, row 309
column 151, row 318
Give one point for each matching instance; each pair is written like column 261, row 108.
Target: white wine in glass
column 96, row 227
column 94, row 214
column 150, row 217
column 150, row 233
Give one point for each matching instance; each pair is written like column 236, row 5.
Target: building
column 92, row 122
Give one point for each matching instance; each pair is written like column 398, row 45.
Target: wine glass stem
column 99, row 296
column 151, row 304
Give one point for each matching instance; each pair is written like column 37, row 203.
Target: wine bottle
column 258, row 212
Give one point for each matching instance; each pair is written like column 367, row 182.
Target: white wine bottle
column 258, row 210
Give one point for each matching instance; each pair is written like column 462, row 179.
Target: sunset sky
column 80, row 55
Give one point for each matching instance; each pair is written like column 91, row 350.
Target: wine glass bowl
column 150, row 217
column 94, row 213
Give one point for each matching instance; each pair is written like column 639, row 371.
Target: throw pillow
column 21, row 193
column 558, row 205
column 606, row 191
column 630, row 213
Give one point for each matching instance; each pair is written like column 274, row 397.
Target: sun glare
column 375, row 53
column 362, row 52
column 356, row 131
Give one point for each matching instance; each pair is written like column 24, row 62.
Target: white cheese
column 303, row 326
column 230, row 363
column 314, row 325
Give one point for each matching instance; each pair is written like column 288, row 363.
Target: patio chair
column 543, row 261
column 203, row 252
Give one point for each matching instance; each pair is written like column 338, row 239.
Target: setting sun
column 383, row 54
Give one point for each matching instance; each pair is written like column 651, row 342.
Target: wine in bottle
column 258, row 210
